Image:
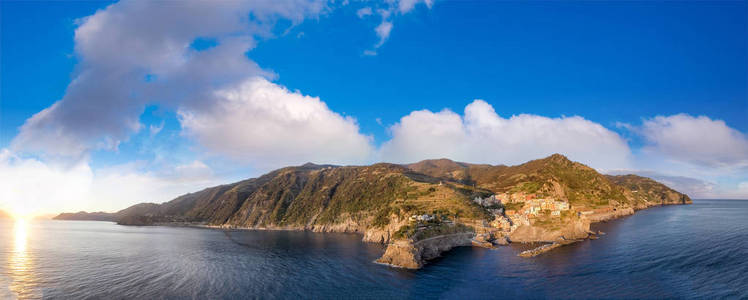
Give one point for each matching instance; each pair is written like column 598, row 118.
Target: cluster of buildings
column 422, row 218
column 510, row 219
column 489, row 201
column 514, row 197
column 534, row 206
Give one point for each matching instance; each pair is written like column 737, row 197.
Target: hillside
column 554, row 176
column 317, row 198
column 648, row 191
column 86, row 216
column 420, row 209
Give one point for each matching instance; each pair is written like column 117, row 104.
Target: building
column 424, row 218
column 489, row 201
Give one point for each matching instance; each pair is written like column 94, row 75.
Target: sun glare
column 21, row 234
column 20, row 266
column 21, row 213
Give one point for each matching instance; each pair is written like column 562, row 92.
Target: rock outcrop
column 413, row 254
column 578, row 229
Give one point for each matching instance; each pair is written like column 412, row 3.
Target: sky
column 108, row 104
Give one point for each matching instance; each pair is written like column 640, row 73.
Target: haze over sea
column 680, row 251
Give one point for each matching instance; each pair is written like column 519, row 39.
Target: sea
column 697, row 251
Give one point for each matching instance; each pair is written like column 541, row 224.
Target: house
column 561, row 205
column 424, row 217
column 489, row 201
column 532, row 210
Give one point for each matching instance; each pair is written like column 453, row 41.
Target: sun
column 20, row 213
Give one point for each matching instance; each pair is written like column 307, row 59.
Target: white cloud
column 155, row 129
column 392, row 8
column 695, row 140
column 118, row 187
column 363, row 12
column 30, row 186
column 406, row 6
column 743, row 189
column 269, row 126
column 27, row 185
column 383, row 32
column 482, row 136
column 129, row 41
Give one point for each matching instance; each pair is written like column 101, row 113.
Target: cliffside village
column 509, row 219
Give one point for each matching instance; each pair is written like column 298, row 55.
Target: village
column 513, row 210
column 509, row 210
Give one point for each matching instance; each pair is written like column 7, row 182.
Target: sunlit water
column 696, row 251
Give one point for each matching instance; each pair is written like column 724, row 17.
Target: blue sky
column 590, row 79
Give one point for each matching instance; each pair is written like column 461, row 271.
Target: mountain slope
column 646, row 190
column 317, row 198
column 554, row 176
column 314, row 196
column 86, row 216
column 420, row 209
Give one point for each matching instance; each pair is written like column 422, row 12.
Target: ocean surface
column 694, row 251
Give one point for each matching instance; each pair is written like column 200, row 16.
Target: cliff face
column 648, row 192
column 419, row 209
column 413, row 255
column 572, row 230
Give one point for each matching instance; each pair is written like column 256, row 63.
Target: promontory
column 418, row 210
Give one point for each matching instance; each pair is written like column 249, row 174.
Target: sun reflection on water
column 20, row 267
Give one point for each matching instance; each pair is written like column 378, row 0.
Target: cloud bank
column 267, row 125
column 30, row 186
column 138, row 52
column 695, row 140
column 482, row 136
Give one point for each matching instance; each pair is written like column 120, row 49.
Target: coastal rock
column 610, row 215
column 382, row 235
column 402, row 254
column 577, row 229
column 412, row 255
column 502, row 240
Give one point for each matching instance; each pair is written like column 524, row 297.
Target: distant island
column 87, row 216
column 418, row 210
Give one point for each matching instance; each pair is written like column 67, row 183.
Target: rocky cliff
column 412, row 255
column 648, row 192
column 420, row 209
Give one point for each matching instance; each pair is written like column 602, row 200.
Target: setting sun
column 21, row 213
column 20, row 232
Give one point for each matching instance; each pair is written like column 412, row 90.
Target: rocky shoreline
column 410, row 254
column 418, row 210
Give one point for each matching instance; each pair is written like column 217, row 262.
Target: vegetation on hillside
column 371, row 196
